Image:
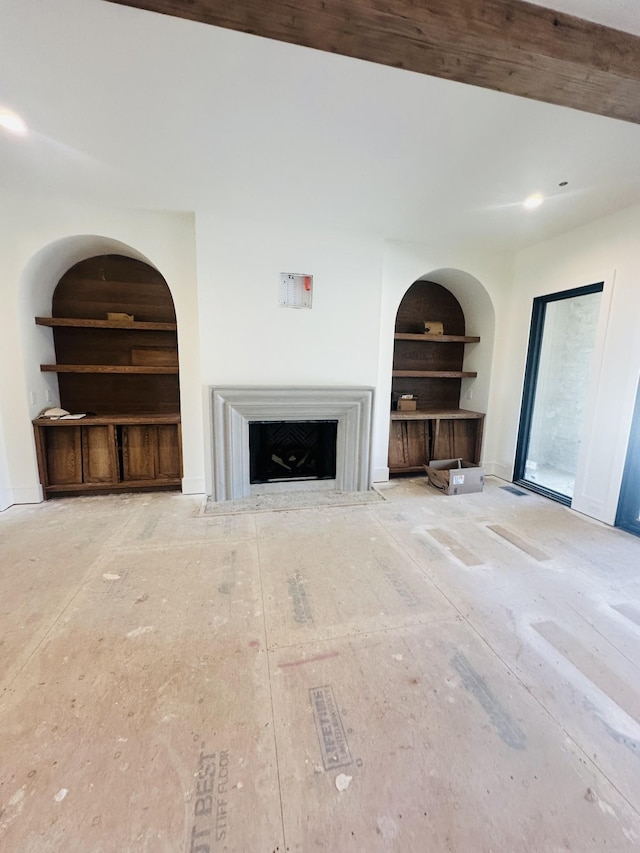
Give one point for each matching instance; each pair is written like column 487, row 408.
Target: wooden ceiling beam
column 507, row 45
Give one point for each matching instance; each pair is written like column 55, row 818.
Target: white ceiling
column 130, row 108
column 619, row 14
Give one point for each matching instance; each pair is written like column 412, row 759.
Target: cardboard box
column 120, row 315
column 407, row 405
column 433, row 327
column 455, row 476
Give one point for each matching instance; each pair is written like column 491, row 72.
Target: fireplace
column 284, row 451
column 236, row 412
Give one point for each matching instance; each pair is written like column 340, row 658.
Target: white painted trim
column 498, row 469
column 28, row 495
column 232, row 408
column 380, row 475
column 193, row 486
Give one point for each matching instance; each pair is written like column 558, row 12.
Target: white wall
column 249, row 339
column 607, row 250
column 347, row 337
column 6, row 495
column 39, row 240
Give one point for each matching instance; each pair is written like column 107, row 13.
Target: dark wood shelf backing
column 437, row 374
column 138, row 326
column 437, row 339
column 437, row 414
column 106, row 368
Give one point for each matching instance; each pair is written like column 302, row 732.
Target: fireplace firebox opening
column 281, row 451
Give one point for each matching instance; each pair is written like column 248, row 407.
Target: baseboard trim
column 498, row 469
column 380, row 475
column 27, row 495
column 193, row 486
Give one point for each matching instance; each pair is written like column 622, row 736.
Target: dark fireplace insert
column 292, row 450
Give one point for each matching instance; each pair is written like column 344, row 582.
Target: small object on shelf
column 433, row 327
column 407, row 403
column 455, row 476
column 58, row 414
column 120, row 315
column 53, row 413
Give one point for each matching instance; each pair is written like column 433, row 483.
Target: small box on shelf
column 404, row 402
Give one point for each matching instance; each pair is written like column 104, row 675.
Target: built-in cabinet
column 115, row 339
column 430, row 367
column 109, row 453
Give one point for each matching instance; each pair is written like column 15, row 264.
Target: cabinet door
column 397, row 446
column 458, row 439
column 139, row 452
column 99, row 457
column 169, row 452
column 63, row 456
column 408, row 444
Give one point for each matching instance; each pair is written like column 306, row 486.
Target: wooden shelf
column 436, row 414
column 437, row 339
column 105, row 368
column 106, row 420
column 137, row 325
column 437, row 374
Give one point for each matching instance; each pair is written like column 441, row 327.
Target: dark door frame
column 538, row 314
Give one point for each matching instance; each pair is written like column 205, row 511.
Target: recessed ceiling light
column 12, row 122
column 534, row 200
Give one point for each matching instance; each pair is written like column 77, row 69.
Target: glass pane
column 628, row 515
column 566, row 350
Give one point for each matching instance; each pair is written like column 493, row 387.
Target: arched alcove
column 110, row 336
column 131, row 364
column 37, row 284
column 440, row 368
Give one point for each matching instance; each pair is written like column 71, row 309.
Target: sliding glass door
column 561, row 344
column 628, row 516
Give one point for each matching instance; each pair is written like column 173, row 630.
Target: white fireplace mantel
column 233, row 408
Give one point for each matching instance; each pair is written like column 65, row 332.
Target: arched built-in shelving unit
column 430, row 367
column 121, row 370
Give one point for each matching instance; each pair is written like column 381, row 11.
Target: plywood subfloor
column 426, row 673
